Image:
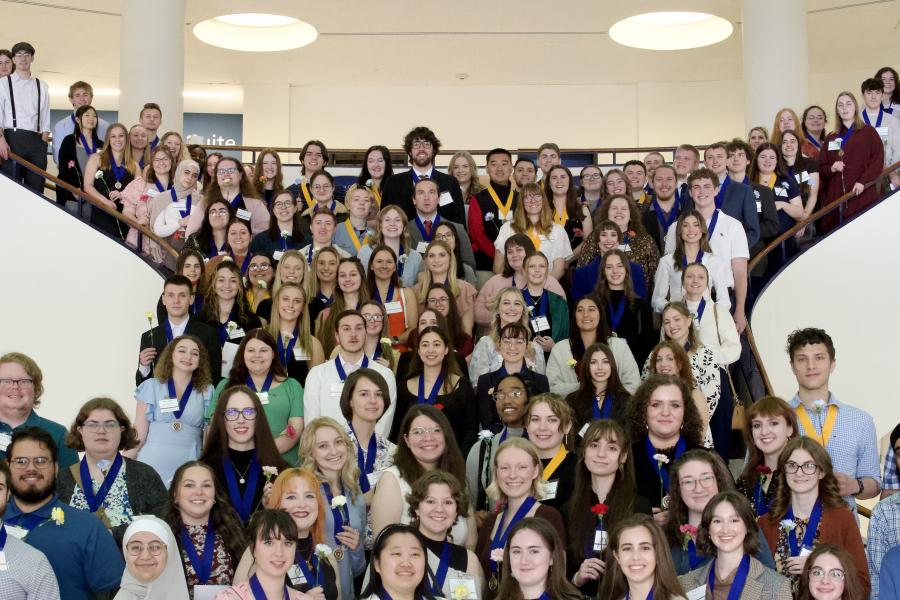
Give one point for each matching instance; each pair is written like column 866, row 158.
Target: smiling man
column 81, row 551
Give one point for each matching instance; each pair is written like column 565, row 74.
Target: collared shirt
column 853, row 446
column 728, row 241
column 26, row 97
column 178, row 330
column 889, row 480
column 65, row 127
column 323, row 388
column 884, row 534
column 28, row 576
column 80, row 550
column 66, row 457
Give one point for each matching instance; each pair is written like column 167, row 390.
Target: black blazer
column 156, row 338
column 399, row 189
column 652, row 227
column 535, row 383
column 73, row 176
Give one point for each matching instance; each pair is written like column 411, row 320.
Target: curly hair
column 419, row 491
column 810, row 335
column 129, row 436
column 692, row 425
column 829, row 491
column 202, row 376
column 421, row 133
column 685, row 371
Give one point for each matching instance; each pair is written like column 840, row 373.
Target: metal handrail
column 97, row 205
column 776, row 244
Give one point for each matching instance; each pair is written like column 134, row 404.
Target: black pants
column 30, row 146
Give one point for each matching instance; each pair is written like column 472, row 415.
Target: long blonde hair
column 475, row 183
column 304, row 338
column 520, row 222
column 378, row 238
column 350, row 470
column 427, row 278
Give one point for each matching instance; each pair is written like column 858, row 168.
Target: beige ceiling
column 393, row 42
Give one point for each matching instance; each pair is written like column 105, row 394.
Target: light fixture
column 671, row 30
column 255, row 32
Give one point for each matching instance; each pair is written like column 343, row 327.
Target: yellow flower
column 58, row 516
column 572, row 363
column 460, row 592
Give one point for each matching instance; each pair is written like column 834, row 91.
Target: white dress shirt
column 26, row 97
column 728, row 241
column 322, row 394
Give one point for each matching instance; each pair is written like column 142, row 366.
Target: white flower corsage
column 338, row 501
column 485, row 435
column 497, row 555
column 661, row 458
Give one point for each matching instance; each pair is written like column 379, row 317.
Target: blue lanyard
column 616, row 317
column 762, row 503
column 541, row 309
column 720, row 197
column 182, row 402
column 499, row 540
column 664, row 221
column 93, row 148
column 187, row 207
column 286, row 353
column 865, row 116
column 2, row 537
column 663, row 472
column 390, row 294
column 118, row 171
column 266, row 384
column 694, row 559
column 432, row 395
column 440, row 576
column 161, row 189
column 606, row 411
column 740, row 578
column 311, row 579
column 239, row 199
column 331, row 208
column 168, row 328
column 213, row 251
column 814, row 141
column 712, row 224
column 259, row 593
column 95, row 501
column 202, row 566
column 243, row 504
column 245, row 265
column 649, row 596
column 336, row 512
column 421, row 226
column 809, row 536
column 366, row 463
column 698, row 260
column 846, row 137
column 340, row 368
column 700, row 308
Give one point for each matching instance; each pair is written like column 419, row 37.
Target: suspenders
column 12, row 102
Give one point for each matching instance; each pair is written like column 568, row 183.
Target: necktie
column 428, row 228
column 425, row 176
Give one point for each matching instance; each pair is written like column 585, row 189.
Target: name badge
column 393, row 307
column 698, row 593
column 237, row 333
column 229, row 352
column 300, row 353
column 243, row 214
column 601, row 540
column 805, row 551
column 208, row 592
column 179, row 205
column 780, row 191
column 17, row 532
column 336, row 389
column 539, row 324
column 882, row 131
column 445, row 199
column 421, row 247
column 168, row 405
column 835, row 144
column 462, row 587
column 4, row 566
column 278, row 255
column 296, row 575
column 584, row 429
column 263, row 397
column 550, row 490
column 758, row 206
column 625, row 247
column 5, row 439
column 802, row 177
column 373, row 478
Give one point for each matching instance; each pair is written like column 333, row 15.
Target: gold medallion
column 493, row 584
column 339, row 553
column 176, row 425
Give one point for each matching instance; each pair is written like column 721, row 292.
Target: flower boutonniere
column 285, row 234
column 497, row 555
column 661, row 459
column 818, row 407
column 485, row 435
column 269, row 472
column 600, row 510
column 231, row 327
column 263, row 179
column 489, row 216
column 787, row 525
column 439, row 406
column 58, row 516
column 323, row 551
column 689, row 532
column 339, row 503
column 98, row 174
column 572, row 363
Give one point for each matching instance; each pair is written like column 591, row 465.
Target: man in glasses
column 82, row 553
column 24, row 119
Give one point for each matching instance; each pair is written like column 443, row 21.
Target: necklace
column 242, row 476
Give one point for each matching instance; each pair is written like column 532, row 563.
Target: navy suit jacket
column 399, row 189
column 156, row 338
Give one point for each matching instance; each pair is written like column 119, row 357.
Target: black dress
column 240, row 460
column 563, row 478
column 459, row 556
column 458, row 406
column 636, row 324
column 105, row 186
column 648, row 481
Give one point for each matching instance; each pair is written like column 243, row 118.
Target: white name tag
column 300, row 353
column 882, row 131
column 780, row 191
column 758, row 206
column 5, row 439
column 17, row 532
column 462, row 582
column 373, row 478
column 179, row 205
column 263, row 397
column 237, row 333
column 336, row 389
column 539, row 324
column 805, row 551
column 168, row 405
column 229, row 352
column 296, row 575
column 625, row 247
column 421, row 247
column 582, row 431
column 698, row 593
column 393, row 307
column 601, row 539
column 835, row 144
column 278, row 255
column 550, row 490
column 243, row 214
column 802, row 177
column 209, row 592
column 445, row 199
column 4, row 566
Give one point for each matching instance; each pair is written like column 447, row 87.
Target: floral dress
column 783, row 549
column 117, row 504
column 222, row 567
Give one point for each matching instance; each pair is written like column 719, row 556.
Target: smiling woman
column 152, row 569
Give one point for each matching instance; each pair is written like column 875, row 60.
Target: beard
column 35, row 492
column 421, row 161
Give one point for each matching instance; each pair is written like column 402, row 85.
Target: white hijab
column 170, row 585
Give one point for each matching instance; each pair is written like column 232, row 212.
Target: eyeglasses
column 373, row 318
column 808, row 468
column 444, row 237
column 705, row 482
column 819, row 573
column 20, row 383
column 438, row 301
column 322, row 187
column 591, row 177
column 513, row 394
column 95, row 426
column 420, row 432
column 22, row 462
column 226, row 171
column 534, row 198
column 421, row 144
column 218, row 212
column 137, row 548
column 232, row 414
column 262, row 267
column 283, row 205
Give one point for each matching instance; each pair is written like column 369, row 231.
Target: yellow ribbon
column 554, row 463
column 827, row 428
column 560, row 219
column 306, row 195
column 377, row 193
column 644, row 199
column 502, row 209
column 535, row 238
column 771, row 182
column 353, row 237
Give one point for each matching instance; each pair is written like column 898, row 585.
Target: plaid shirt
column 884, row 534
column 890, row 481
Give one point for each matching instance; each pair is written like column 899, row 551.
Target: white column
column 152, row 61
column 775, row 57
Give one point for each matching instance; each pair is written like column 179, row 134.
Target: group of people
column 428, row 385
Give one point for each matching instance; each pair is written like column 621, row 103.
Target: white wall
column 848, row 285
column 73, row 300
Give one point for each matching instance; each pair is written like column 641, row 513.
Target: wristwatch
column 861, row 486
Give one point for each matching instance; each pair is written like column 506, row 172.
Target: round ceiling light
column 255, row 32
column 671, row 30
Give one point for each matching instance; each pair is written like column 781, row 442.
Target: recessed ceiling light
column 255, row 32
column 671, row 30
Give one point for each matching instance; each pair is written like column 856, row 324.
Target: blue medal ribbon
column 365, row 462
column 814, row 141
column 202, row 565
column 243, row 504
column 615, row 317
column 326, row 300
column 246, row 263
column 286, row 353
column 499, row 540
column 95, row 501
column 312, row 575
column 846, row 137
column 606, row 411
column 740, row 578
column 809, row 536
column 161, row 189
column 2, row 537
column 432, row 395
column 697, row 260
column 390, row 294
column 700, row 308
column 378, row 351
column 91, row 149
column 221, row 328
column 182, row 402
column 118, row 171
column 266, row 384
column 309, row 254
column 664, row 221
column 283, row 242
column 649, row 596
column 154, row 142
column 541, row 307
column 187, row 207
column 720, row 197
column 865, row 116
column 238, row 200
column 694, row 559
column 440, row 576
column 168, row 329
column 340, row 368
column 331, row 208
column 259, row 593
column 663, row 473
column 421, row 227
column 213, row 250
column 712, row 225
column 336, row 512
